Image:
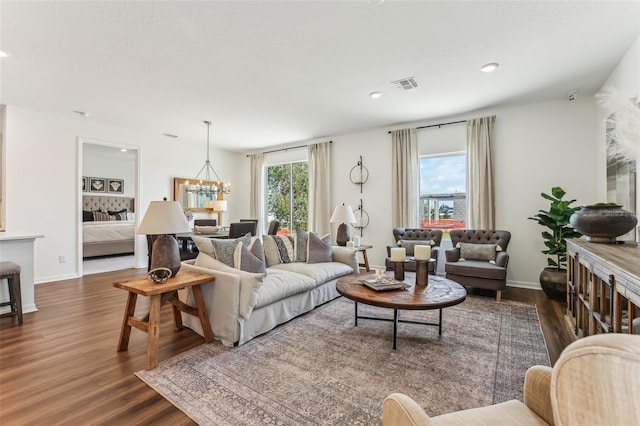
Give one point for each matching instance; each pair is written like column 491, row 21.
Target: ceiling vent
column 406, row 83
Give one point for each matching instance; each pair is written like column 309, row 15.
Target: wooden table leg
column 202, row 314
column 177, row 317
column 125, row 330
column 154, row 332
column 366, row 260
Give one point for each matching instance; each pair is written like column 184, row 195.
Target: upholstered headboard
column 105, row 203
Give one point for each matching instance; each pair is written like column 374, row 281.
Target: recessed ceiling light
column 375, row 2
column 123, row 150
column 169, row 135
column 3, row 54
column 82, row 113
column 489, row 67
column 375, row 95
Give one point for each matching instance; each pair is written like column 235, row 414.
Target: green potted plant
column 553, row 278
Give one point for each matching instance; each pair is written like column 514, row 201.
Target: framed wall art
column 97, row 184
column 115, row 186
column 85, row 184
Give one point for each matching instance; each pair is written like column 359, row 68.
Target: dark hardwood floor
column 61, row 365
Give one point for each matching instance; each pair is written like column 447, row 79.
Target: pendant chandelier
column 204, row 185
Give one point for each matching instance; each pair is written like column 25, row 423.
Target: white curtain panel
column 404, row 184
column 480, row 173
column 255, row 196
column 320, row 188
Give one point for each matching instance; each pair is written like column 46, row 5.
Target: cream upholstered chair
column 596, row 381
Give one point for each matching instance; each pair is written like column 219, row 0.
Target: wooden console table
column 160, row 294
column 603, row 287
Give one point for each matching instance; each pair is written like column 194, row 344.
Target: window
column 443, row 191
column 288, row 195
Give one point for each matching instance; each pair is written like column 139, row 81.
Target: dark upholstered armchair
column 238, row 229
column 410, row 237
column 274, row 225
column 478, row 259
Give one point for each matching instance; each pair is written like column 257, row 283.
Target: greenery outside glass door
column 288, row 195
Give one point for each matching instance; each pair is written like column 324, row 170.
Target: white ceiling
column 274, row 72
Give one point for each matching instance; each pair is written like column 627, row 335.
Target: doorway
column 109, row 176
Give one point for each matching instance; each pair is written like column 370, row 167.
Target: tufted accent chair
column 416, row 234
column 474, row 272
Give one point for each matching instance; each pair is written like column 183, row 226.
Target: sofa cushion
column 476, row 269
column 300, row 240
column 319, row 250
column 410, row 245
column 250, row 283
column 250, row 259
column 486, row 252
column 319, row 272
column 279, row 284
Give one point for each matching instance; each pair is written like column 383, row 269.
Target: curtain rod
column 439, row 125
column 285, row 149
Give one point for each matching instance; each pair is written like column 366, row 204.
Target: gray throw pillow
column 222, row 250
column 300, row 239
column 319, row 249
column 410, row 245
column 478, row 252
column 250, row 259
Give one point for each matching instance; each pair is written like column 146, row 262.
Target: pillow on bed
column 102, row 217
column 87, row 216
column 118, row 215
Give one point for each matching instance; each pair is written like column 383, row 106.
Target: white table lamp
column 343, row 215
column 162, row 218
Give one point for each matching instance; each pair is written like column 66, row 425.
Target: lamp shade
column 164, row 217
column 343, row 214
column 217, row 205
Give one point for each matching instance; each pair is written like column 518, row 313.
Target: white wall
column 43, row 189
column 110, row 163
column 537, row 146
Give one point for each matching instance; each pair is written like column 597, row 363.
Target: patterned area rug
column 319, row 369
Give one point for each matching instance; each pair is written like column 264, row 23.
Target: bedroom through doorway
column 109, row 174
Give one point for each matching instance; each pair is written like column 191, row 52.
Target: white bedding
column 115, row 230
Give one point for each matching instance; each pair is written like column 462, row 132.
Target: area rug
column 319, row 369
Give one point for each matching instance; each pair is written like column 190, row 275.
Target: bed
column 108, row 226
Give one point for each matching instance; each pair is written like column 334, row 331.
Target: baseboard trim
column 523, row 284
column 56, row 278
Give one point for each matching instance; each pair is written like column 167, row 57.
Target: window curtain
column 480, row 173
column 255, row 196
column 404, row 183
column 320, row 188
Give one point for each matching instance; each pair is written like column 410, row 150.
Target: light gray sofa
column 241, row 306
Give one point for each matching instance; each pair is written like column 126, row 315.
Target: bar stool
column 11, row 272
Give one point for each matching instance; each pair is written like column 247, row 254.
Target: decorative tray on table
column 386, row 284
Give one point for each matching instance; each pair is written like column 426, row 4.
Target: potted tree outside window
column 553, row 278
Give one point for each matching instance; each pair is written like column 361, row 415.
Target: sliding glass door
column 287, row 195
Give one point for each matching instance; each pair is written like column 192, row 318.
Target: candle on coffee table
column 422, row 252
column 398, row 254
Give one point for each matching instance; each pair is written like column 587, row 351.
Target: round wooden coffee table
column 438, row 294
